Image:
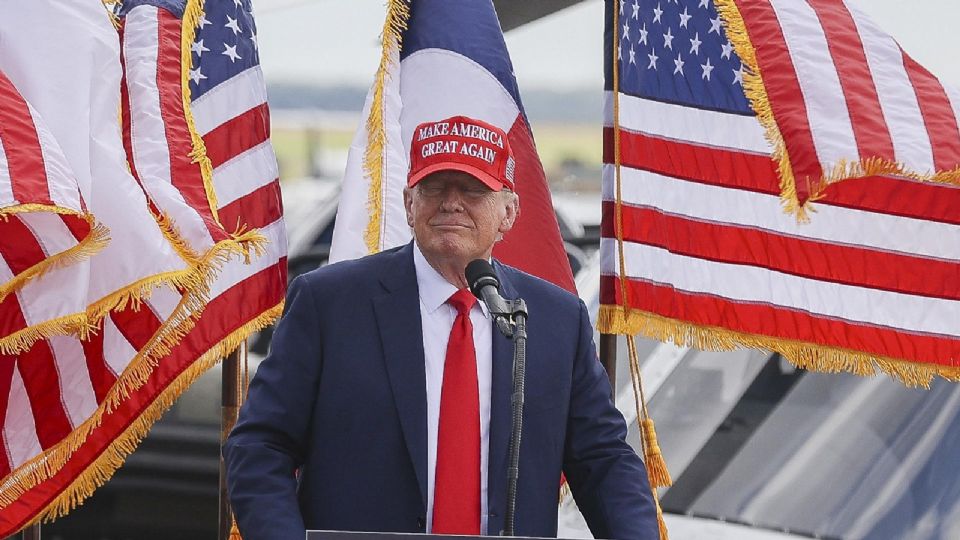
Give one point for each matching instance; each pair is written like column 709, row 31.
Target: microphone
column 484, row 285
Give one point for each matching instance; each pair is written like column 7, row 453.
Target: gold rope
column 653, row 460
column 656, row 467
column 103, row 467
column 801, row 354
column 398, row 12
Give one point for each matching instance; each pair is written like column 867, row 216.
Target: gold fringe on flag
column 398, row 12
column 96, row 240
column 102, row 468
column 756, row 92
column 191, row 18
column 812, row 356
column 77, row 323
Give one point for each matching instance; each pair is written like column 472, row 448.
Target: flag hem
column 615, row 319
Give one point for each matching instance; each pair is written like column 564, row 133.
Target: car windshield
column 749, row 439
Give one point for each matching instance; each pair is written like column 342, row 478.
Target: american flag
column 208, row 169
column 708, row 257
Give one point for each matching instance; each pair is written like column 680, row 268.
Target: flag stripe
column 783, row 87
column 245, row 173
column 21, row 146
column 257, row 209
column 20, row 248
column 102, row 376
column 722, row 242
column 750, row 284
column 745, row 171
column 20, row 429
column 233, row 274
column 7, row 366
column 834, row 224
column 117, row 351
column 11, row 313
column 77, row 392
column 158, row 140
column 846, row 49
column 184, row 173
column 829, row 121
column 770, row 320
column 42, row 382
column 715, row 129
column 246, row 91
column 6, row 187
column 49, row 232
column 897, row 97
column 136, row 326
column 78, row 227
column 937, row 115
column 238, row 135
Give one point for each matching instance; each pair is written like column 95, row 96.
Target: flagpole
column 32, row 532
column 608, row 358
column 229, row 407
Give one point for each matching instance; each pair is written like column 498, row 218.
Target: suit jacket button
column 421, row 523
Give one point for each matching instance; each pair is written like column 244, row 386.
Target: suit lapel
column 398, row 319
column 501, row 415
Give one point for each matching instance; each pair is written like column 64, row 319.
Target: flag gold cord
column 653, row 459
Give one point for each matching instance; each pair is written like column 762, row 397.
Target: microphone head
column 479, row 274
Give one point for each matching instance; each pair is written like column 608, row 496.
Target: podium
column 351, row 535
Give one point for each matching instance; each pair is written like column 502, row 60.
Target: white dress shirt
column 437, row 319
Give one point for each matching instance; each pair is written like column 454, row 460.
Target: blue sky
column 335, row 41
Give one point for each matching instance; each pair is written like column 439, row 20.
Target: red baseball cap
column 464, row 144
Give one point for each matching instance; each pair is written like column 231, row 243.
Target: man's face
column 456, row 217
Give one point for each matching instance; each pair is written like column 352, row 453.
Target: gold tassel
column 564, row 491
column 235, row 532
column 661, row 524
column 656, row 467
column 657, row 473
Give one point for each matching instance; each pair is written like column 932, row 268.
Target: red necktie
column 456, row 494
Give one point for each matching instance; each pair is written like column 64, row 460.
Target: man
column 384, row 404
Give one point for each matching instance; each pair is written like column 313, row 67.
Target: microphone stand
column 512, row 321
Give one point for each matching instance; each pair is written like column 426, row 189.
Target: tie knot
column 462, row 301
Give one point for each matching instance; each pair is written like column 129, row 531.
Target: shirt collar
column 434, row 289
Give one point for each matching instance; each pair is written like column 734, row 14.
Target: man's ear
column 513, row 212
column 408, row 205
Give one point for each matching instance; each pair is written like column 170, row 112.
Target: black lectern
column 348, row 535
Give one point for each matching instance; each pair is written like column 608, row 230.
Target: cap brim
column 487, row 179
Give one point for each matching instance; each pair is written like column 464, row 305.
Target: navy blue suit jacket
column 342, row 398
